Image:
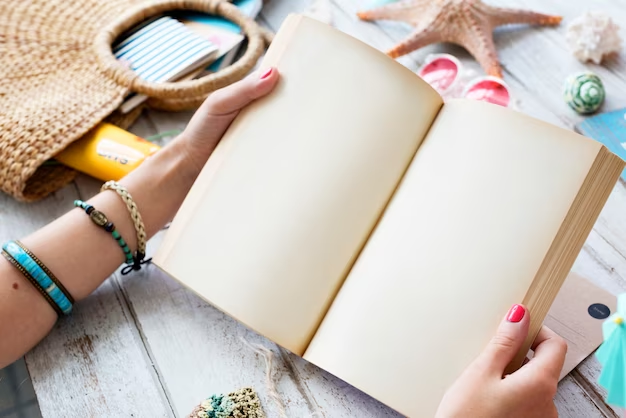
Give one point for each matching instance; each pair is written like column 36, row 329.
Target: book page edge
column 568, row 242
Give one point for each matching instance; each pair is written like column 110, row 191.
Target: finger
column 233, row 98
column 550, row 351
column 507, row 342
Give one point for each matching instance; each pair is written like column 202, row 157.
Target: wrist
column 177, row 163
column 161, row 183
column 194, row 151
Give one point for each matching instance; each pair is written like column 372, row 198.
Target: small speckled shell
column 584, row 92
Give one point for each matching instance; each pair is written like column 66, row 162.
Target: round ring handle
column 179, row 90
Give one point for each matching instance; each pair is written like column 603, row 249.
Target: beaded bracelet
column 39, row 275
column 102, row 221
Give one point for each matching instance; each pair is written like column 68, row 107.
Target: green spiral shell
column 584, row 92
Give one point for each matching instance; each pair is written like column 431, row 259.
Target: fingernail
column 516, row 313
column 266, row 74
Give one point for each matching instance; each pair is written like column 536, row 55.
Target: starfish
column 468, row 23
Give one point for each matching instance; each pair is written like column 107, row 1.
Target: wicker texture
column 59, row 79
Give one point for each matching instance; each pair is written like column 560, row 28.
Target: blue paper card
column 609, row 129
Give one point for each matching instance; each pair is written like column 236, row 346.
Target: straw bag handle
column 183, row 89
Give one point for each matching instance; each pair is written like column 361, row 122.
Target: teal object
column 609, row 129
column 101, row 220
column 612, row 355
column 242, row 403
column 21, row 256
column 584, row 92
column 219, row 406
column 247, row 7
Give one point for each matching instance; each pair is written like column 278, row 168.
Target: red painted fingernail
column 516, row 313
column 266, row 74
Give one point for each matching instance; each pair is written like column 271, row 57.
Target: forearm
column 83, row 255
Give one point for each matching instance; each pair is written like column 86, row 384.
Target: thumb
column 209, row 123
column 229, row 100
column 507, row 342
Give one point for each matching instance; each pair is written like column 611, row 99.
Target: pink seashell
column 441, row 71
column 489, row 89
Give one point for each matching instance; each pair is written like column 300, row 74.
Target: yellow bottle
column 107, row 152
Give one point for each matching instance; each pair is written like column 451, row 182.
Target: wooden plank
column 573, row 401
column 586, row 376
column 20, row 219
column 94, row 363
column 91, row 362
column 612, row 222
column 600, row 263
column 198, row 350
column 276, row 11
column 332, row 396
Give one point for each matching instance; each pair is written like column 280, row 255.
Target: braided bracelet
column 133, row 211
column 39, row 276
column 102, row 221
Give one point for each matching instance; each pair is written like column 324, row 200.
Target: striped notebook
column 163, row 50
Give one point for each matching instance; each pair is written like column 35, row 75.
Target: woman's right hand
column 482, row 391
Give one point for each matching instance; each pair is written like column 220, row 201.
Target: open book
column 359, row 222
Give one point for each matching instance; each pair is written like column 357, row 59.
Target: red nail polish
column 516, row 313
column 266, row 74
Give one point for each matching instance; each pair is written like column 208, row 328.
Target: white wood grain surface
column 143, row 346
column 93, row 363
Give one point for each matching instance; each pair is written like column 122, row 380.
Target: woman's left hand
column 211, row 120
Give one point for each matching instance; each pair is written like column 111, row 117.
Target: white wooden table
column 142, row 346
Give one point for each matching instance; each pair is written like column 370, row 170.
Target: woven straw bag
column 59, row 79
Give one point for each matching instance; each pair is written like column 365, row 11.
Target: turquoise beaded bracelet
column 39, row 275
column 102, row 221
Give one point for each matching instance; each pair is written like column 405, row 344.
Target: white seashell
column 320, row 10
column 592, row 36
